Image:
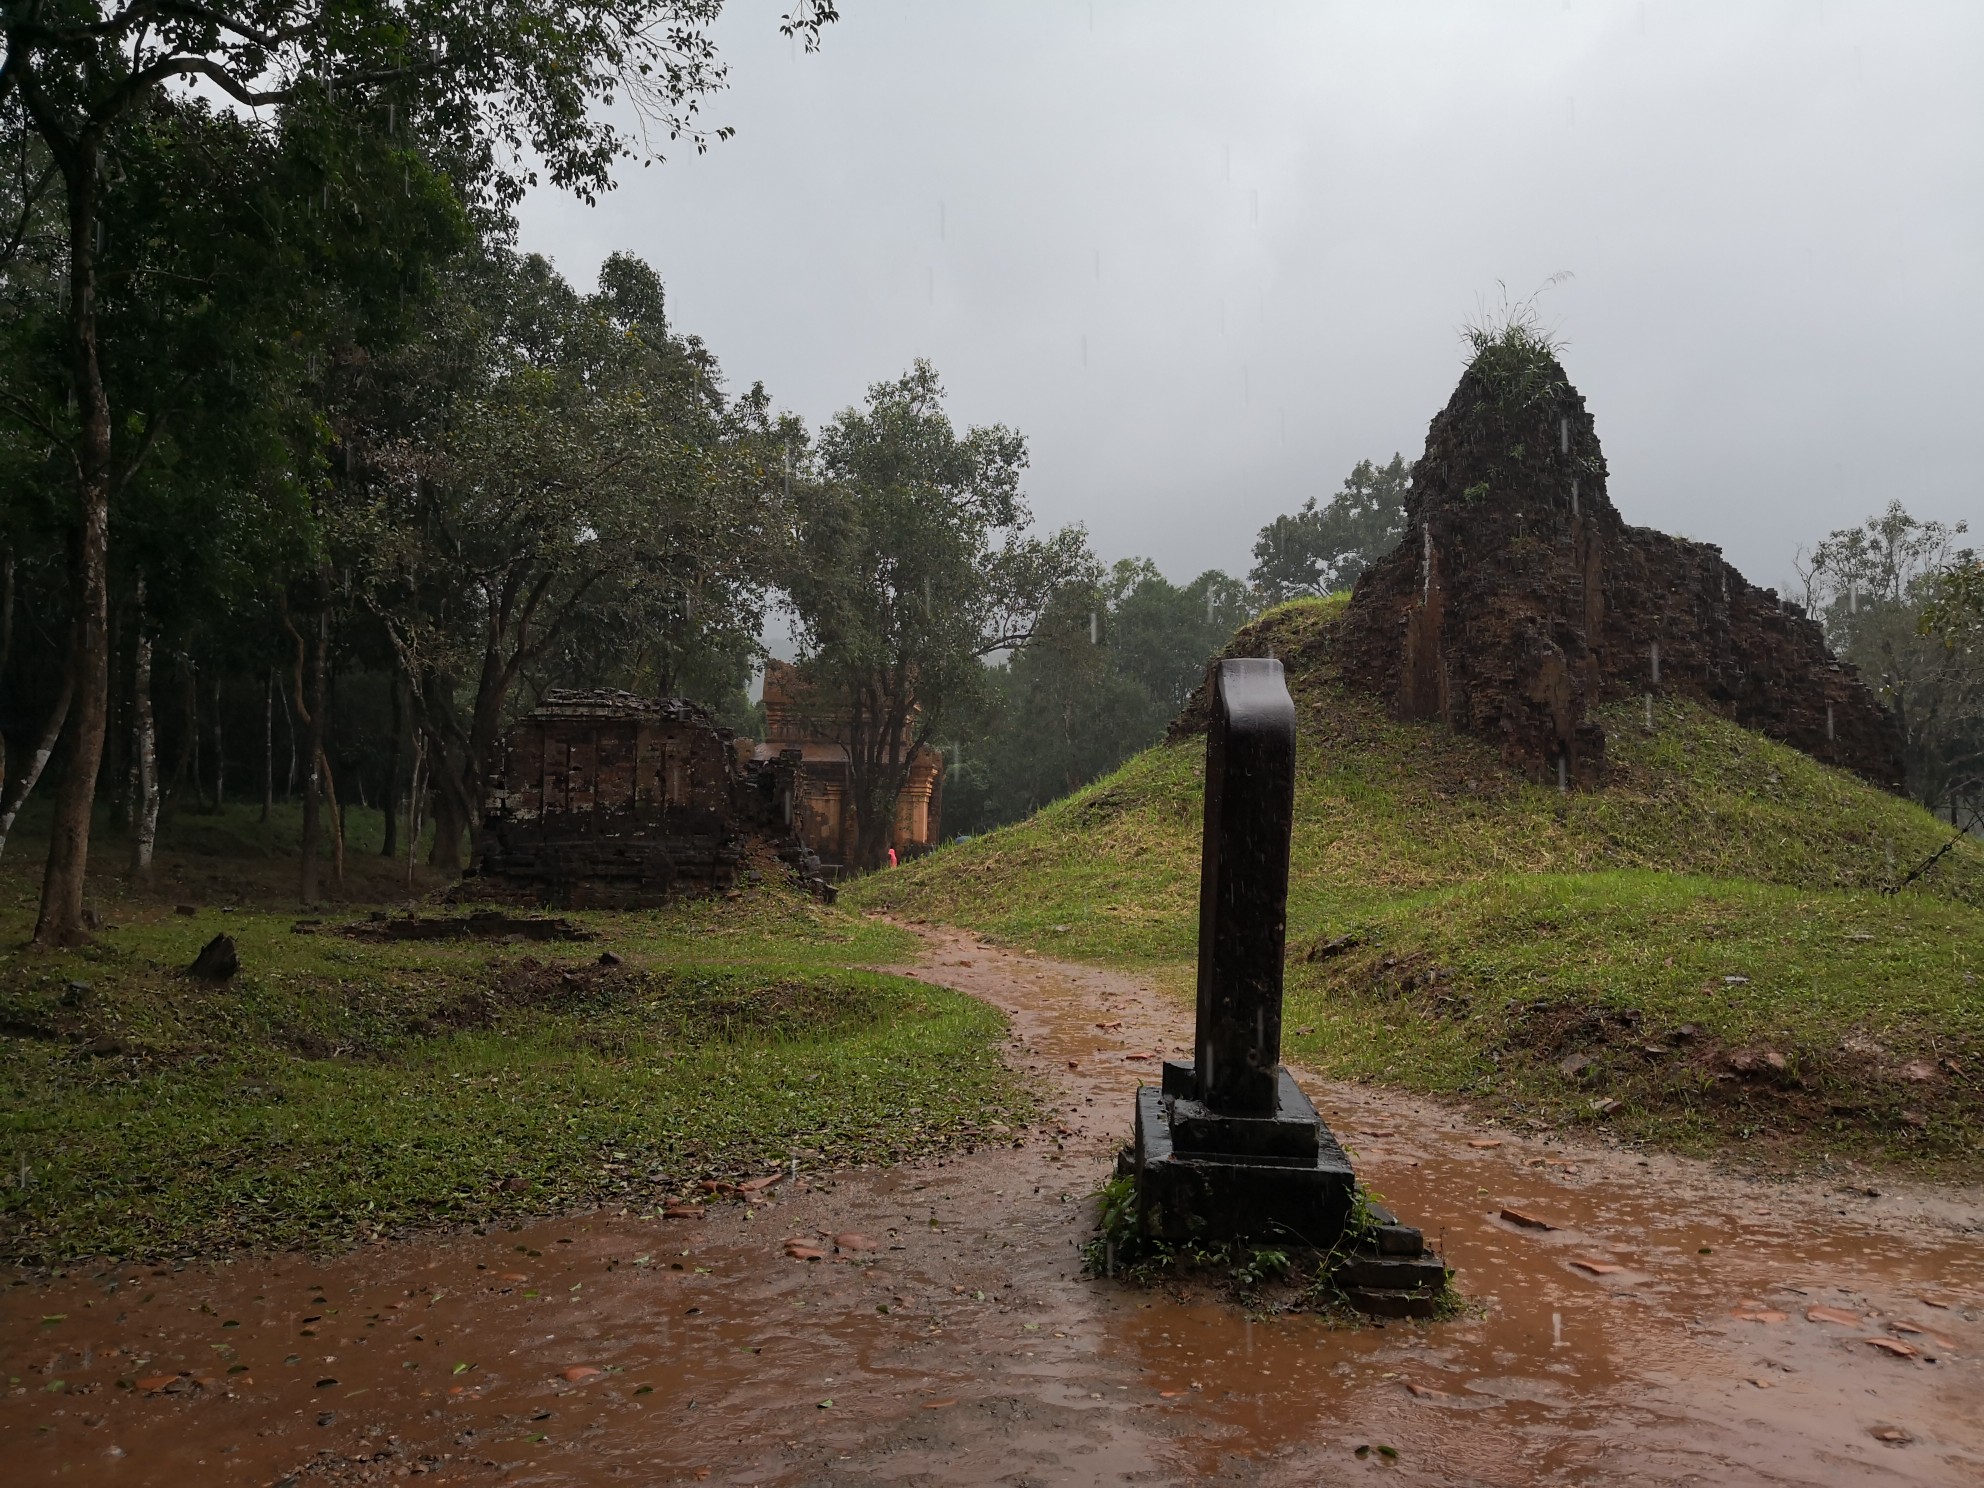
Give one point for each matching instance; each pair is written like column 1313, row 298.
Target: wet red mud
column 966, row 1347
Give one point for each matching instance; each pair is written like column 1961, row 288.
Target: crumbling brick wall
column 611, row 799
column 1519, row 599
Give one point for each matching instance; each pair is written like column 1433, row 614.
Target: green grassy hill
column 1706, row 941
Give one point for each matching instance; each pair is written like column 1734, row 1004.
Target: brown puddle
column 723, row 1360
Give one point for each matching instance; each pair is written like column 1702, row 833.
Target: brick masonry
column 607, row 798
column 1520, row 598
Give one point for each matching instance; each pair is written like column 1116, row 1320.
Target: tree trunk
column 416, row 790
column 312, row 715
column 268, row 748
column 289, row 727
column 6, row 645
column 62, row 886
column 24, row 784
column 186, row 765
column 144, row 751
column 117, row 733
column 450, row 821
column 220, row 753
column 390, row 801
column 323, row 715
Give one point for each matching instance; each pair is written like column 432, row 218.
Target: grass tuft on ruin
column 1704, row 954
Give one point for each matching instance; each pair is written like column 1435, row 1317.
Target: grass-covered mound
column 1456, row 929
column 342, row 1087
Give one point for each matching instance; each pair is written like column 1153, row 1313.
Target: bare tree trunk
column 60, row 921
column 220, row 753
column 390, row 802
column 6, row 642
column 414, row 794
column 321, row 713
column 289, row 726
column 450, row 821
column 268, row 747
column 186, row 770
column 312, row 754
column 44, row 747
column 144, row 751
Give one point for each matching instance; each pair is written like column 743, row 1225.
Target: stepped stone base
column 1201, row 1176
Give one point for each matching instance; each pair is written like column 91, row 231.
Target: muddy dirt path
column 1718, row 1329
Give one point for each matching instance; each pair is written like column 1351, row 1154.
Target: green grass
column 1542, row 919
column 340, row 1089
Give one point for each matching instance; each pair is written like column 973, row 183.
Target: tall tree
column 507, row 88
column 1320, row 549
column 1886, row 593
column 580, row 481
column 914, row 562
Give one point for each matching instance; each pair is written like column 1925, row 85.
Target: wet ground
column 1675, row 1325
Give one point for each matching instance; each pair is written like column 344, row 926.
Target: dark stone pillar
column 1243, row 887
column 1229, row 1147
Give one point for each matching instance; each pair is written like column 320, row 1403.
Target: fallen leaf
column 153, row 1383
column 579, row 1373
column 800, row 1251
column 1762, row 1384
column 506, row 1276
column 1424, row 1392
column 1894, row 1346
column 1597, row 1268
column 1759, row 1315
column 759, row 1185
column 1378, row 1134
column 853, row 1241
column 1891, row 1434
column 943, row 1404
column 1832, row 1315
column 1526, row 1221
column 1074, row 1064
column 1106, row 1027
column 683, row 1211
column 1932, row 1302
column 1169, row 1394
column 1933, row 1336
column 1484, row 1142
column 1605, row 1105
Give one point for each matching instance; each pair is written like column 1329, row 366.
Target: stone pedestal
column 1279, row 1179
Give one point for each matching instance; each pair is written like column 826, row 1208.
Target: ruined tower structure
column 1519, row 599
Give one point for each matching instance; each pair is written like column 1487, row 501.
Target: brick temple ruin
column 1520, row 599
column 824, row 804
column 607, row 799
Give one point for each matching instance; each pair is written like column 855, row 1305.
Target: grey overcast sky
column 1206, row 257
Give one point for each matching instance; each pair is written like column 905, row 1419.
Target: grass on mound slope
column 1456, row 929
column 340, row 1088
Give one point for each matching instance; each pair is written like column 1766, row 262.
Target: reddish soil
column 966, row 1347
